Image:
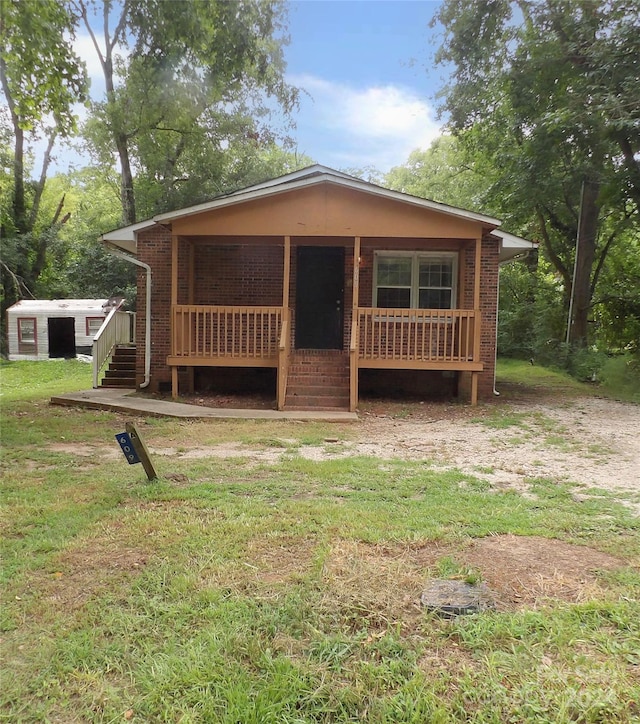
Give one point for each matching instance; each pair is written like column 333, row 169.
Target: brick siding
column 252, row 274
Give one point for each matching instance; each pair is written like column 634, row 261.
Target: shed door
column 319, row 297
column 62, row 336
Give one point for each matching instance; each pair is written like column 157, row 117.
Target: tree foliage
column 444, row 173
column 41, row 79
column 188, row 86
column 547, row 92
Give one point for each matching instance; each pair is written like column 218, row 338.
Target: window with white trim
column 415, row 280
column 27, row 335
column 93, row 325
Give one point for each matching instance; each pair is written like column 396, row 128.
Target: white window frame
column 27, row 344
column 416, row 257
column 90, row 322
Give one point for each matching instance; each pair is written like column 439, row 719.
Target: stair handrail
column 114, row 330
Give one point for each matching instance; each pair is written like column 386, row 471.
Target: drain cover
column 455, row 598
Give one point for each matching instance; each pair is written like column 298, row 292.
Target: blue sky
column 365, row 68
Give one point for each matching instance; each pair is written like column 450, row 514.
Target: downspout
column 147, row 321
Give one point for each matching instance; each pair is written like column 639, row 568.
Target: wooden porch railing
column 117, row 328
column 418, row 335
column 234, row 333
column 283, row 360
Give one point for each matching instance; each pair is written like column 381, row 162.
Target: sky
column 367, row 79
column 366, row 67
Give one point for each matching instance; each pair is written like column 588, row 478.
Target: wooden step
column 122, row 368
column 118, row 382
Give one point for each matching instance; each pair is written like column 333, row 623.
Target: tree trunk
column 126, row 181
column 585, row 258
column 18, row 202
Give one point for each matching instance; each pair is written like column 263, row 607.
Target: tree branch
column 555, row 259
column 46, row 161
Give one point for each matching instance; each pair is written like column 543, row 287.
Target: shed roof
column 34, row 306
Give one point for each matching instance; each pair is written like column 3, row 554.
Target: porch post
column 477, row 327
column 474, row 389
column 476, row 275
column 174, row 302
column 287, row 272
column 285, row 333
column 354, row 343
column 191, row 300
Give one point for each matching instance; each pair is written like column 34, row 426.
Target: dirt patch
column 86, row 451
column 82, row 572
column 587, row 442
column 590, row 442
column 380, row 585
column 526, row 572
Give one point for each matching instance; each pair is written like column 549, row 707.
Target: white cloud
column 83, row 46
column 85, row 49
column 378, row 125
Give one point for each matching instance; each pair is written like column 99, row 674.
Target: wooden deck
column 420, row 339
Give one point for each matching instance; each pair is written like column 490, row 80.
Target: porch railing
column 226, row 332
column 117, row 328
column 423, row 335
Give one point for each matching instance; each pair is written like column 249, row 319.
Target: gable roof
column 125, row 238
column 312, row 176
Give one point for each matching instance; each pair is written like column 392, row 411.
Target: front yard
column 274, row 572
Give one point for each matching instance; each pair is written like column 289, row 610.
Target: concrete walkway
column 118, row 400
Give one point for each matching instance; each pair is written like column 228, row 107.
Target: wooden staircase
column 318, row 380
column 122, row 368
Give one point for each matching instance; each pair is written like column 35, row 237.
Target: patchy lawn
column 274, row 572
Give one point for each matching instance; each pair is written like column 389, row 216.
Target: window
column 27, row 335
column 93, row 325
column 415, row 280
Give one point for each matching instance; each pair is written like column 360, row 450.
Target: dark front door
column 62, row 337
column 319, row 297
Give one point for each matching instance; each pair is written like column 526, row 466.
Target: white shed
column 48, row 328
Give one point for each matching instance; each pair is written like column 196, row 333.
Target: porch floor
column 119, row 400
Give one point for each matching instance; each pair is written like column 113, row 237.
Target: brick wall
column 253, row 274
column 488, row 306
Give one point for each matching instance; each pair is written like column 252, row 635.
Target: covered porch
column 269, row 334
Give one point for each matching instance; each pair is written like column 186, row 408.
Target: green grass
column 241, row 591
column 39, row 380
column 619, row 379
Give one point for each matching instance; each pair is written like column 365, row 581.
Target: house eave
column 513, row 247
column 324, row 177
column 126, row 237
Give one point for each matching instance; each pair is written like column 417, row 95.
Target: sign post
column 135, row 451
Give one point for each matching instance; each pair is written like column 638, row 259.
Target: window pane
column 394, row 297
column 94, row 324
column 394, row 272
column 435, row 274
column 435, row 299
column 27, row 330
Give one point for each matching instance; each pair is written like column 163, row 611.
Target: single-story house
column 40, row 329
column 328, row 283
